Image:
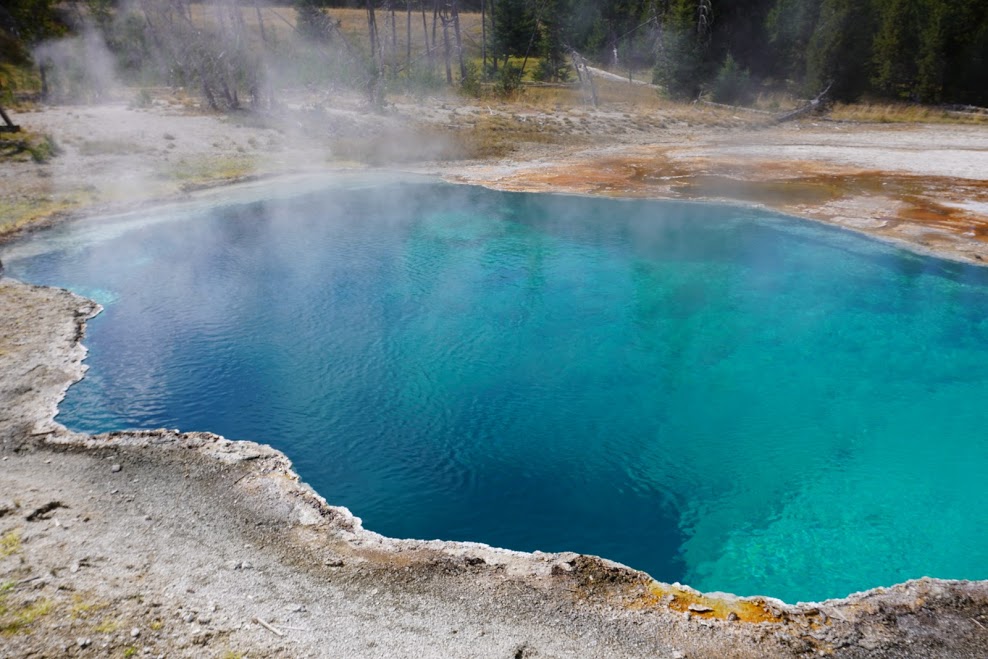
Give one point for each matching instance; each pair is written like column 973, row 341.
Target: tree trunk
column 408, row 36
column 8, row 127
column 483, row 34
column 435, row 20
column 459, row 41
column 494, row 31
column 260, row 20
column 425, row 33
column 448, row 54
column 240, row 25
column 372, row 32
column 394, row 31
column 208, row 93
column 43, row 68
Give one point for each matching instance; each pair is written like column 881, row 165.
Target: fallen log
column 735, row 108
column 812, row 106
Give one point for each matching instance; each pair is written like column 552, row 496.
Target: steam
column 159, row 98
column 77, row 69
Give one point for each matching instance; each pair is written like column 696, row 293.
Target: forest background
column 925, row 51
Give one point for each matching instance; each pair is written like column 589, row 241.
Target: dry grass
column 610, row 93
column 21, row 212
column 83, row 608
column 25, row 146
column 10, row 543
column 17, row 82
column 194, row 172
column 496, row 136
column 902, row 113
column 110, row 148
column 279, row 22
column 17, row 620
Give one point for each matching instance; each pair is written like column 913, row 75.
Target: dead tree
column 447, row 50
column 425, row 34
column 219, row 63
column 408, row 36
column 260, row 21
column 394, row 30
column 8, row 125
column 483, row 35
column 704, row 21
column 816, row 104
column 435, row 20
column 494, row 31
column 372, row 32
column 455, row 10
column 584, row 75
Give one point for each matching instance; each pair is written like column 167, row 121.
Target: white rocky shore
column 160, row 543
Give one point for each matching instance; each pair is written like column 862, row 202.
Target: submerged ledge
column 167, row 523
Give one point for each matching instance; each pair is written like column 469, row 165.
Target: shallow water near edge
column 724, row 397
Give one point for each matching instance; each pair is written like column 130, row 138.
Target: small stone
column 699, row 608
column 298, row 608
column 135, row 632
column 83, row 642
column 678, row 654
column 732, row 617
column 189, row 617
column 204, row 620
column 115, row 468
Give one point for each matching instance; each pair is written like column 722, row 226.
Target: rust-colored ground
column 946, row 215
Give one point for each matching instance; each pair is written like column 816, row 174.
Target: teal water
column 732, row 399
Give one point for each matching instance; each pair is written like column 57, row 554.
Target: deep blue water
column 720, row 396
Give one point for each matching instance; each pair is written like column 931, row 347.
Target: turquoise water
column 728, row 398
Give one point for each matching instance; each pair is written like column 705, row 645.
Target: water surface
column 733, row 399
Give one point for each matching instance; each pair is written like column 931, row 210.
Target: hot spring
column 720, row 396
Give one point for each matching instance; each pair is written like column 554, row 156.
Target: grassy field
column 898, row 113
column 279, row 29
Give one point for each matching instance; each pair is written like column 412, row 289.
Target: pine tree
column 514, row 27
column 838, row 52
column 789, row 26
column 896, row 46
column 681, row 66
column 553, row 35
